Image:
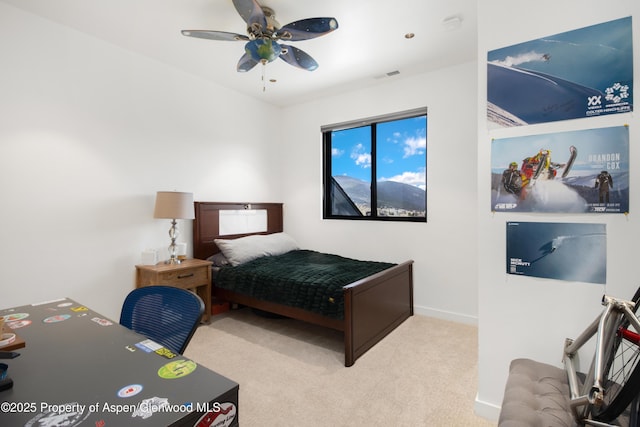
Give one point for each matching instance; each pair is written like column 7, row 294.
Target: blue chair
column 164, row 314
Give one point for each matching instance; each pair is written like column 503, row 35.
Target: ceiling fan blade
column 246, row 63
column 214, row 35
column 298, row 58
column 307, row 29
column 251, row 12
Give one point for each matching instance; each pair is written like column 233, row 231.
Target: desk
column 80, row 369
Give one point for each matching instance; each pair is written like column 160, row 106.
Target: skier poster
column 561, row 251
column 583, row 171
column 581, row 73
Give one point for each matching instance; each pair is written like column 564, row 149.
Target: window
column 376, row 169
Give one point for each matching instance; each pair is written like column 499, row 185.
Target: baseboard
column 446, row 315
column 486, row 410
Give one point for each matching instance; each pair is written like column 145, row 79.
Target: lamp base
column 173, row 234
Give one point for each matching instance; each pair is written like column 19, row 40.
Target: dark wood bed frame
column 373, row 306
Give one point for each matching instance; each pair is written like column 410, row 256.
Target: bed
column 369, row 307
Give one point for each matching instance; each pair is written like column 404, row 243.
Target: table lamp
column 173, row 205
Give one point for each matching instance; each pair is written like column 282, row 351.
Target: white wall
column 524, row 316
column 88, row 133
column 444, row 249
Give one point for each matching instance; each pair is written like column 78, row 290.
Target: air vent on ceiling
column 389, row 74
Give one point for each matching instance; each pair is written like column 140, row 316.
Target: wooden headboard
column 206, row 226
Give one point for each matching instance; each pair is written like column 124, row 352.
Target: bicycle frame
column 605, row 326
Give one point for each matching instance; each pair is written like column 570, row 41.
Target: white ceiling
column 368, row 44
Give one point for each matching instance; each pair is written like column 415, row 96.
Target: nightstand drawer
column 188, row 278
column 189, row 274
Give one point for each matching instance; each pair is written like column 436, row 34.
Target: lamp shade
column 174, row 205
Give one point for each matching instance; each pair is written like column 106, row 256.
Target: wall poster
column 561, row 251
column 580, row 73
column 584, row 171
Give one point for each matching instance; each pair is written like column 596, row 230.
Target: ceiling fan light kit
column 264, row 33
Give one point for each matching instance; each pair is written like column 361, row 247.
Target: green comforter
column 304, row 279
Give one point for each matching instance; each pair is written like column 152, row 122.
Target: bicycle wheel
column 622, row 371
column 634, row 420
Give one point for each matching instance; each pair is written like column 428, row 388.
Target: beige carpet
column 292, row 373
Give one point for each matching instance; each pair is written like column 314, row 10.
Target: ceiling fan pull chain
column 264, row 68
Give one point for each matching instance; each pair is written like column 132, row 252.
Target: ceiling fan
column 264, row 34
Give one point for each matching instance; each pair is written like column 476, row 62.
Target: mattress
column 304, row 279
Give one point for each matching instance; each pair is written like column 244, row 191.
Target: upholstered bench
column 536, row 395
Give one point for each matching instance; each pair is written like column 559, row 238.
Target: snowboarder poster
column 584, row 171
column 562, row 251
column 581, row 73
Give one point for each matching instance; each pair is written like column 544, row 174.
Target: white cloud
column 417, row 179
column 414, row 146
column 361, row 157
column 395, row 138
column 335, row 152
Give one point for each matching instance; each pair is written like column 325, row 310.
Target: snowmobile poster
column 577, row 74
column 583, row 171
column 561, row 251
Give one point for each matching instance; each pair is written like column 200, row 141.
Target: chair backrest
column 164, row 314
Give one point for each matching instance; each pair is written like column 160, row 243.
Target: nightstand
column 194, row 274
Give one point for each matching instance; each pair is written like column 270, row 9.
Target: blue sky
column 402, row 152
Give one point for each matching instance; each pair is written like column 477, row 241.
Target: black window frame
column 329, row 183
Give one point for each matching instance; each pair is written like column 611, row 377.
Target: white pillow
column 244, row 249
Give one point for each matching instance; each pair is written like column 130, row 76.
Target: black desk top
column 79, row 368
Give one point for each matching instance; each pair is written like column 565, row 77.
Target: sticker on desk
column 222, row 414
column 57, row 318
column 79, row 308
column 148, row 407
column 17, row 324
column 165, row 352
column 71, row 414
column 65, row 304
column 130, row 390
column 102, row 322
column 177, row 369
column 148, row 346
column 15, row 316
column 152, row 346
